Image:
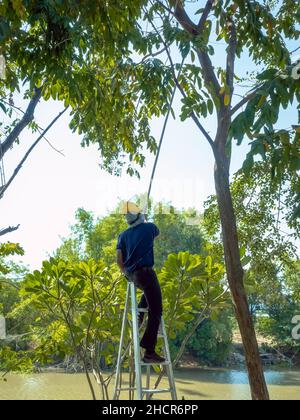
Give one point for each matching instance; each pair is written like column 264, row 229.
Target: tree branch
column 182, row 17
column 192, row 114
column 246, row 99
column 18, row 168
column 210, row 78
column 205, row 14
column 26, row 119
column 165, row 7
column 152, row 55
column 40, row 129
column 231, row 51
column 9, row 229
column 295, row 50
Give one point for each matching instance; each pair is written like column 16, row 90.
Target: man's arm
column 120, row 261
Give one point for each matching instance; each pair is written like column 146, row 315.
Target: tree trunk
column 235, row 276
column 230, row 238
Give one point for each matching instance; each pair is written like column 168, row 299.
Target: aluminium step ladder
column 136, row 389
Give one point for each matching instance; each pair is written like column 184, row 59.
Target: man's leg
column 148, row 282
column 142, row 305
column 153, row 297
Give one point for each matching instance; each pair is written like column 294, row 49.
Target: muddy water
column 210, row 384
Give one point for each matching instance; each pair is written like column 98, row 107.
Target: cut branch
column 8, row 230
column 23, row 123
column 18, row 168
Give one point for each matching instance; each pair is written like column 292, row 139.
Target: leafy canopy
column 115, row 64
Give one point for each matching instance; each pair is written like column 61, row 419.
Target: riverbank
column 270, row 355
column 191, row 383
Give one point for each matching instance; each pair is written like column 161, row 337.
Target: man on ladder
column 135, row 258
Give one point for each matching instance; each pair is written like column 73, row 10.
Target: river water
column 198, row 384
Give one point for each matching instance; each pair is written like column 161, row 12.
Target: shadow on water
column 197, row 394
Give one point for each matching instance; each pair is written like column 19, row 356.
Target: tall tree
column 257, row 29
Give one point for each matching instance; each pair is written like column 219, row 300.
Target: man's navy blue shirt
column 136, row 245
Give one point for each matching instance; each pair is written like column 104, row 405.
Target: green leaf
column 295, row 163
column 246, row 260
column 193, row 56
column 210, row 106
column 267, row 74
column 248, row 164
column 2, row 106
column 238, row 128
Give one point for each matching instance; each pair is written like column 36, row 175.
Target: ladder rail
column 136, row 344
column 169, row 367
column 124, row 320
column 148, row 397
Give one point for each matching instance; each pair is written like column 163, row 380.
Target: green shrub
column 212, row 342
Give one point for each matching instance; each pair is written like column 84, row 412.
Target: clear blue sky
column 45, row 195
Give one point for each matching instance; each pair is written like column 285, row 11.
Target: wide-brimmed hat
column 133, row 213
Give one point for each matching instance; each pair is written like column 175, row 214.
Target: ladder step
column 156, row 391
column 166, row 363
column 126, row 389
column 145, row 390
column 144, row 310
